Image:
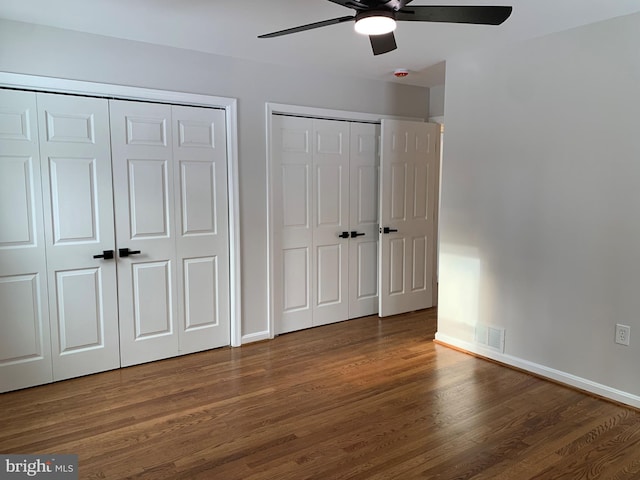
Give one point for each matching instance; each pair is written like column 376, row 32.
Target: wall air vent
column 490, row 337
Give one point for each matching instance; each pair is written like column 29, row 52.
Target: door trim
column 436, row 254
column 92, row 89
column 271, row 109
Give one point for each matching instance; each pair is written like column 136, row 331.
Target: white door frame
column 436, row 251
column 315, row 112
column 56, row 85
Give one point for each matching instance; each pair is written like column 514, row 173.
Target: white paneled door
column 201, row 227
column 25, row 349
column 293, row 236
column 169, row 172
column 141, row 141
column 330, row 217
column 363, row 220
column 324, row 178
column 407, row 209
column 77, row 194
column 114, row 236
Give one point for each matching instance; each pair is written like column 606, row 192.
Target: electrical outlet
column 623, row 332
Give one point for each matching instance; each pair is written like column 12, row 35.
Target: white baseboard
column 255, row 337
column 543, row 371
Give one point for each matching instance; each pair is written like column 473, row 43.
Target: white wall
column 436, row 101
column 30, row 49
column 540, row 218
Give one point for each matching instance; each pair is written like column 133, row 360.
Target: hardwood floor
column 364, row 399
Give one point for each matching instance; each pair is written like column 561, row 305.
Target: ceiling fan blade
column 383, row 43
column 310, row 26
column 483, row 15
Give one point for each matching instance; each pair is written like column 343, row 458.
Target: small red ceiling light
column 401, row 72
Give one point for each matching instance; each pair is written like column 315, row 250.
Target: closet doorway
column 326, row 179
column 352, row 216
column 91, row 290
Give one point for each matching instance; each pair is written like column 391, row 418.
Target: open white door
column 407, row 201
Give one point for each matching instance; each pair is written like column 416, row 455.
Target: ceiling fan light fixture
column 372, row 22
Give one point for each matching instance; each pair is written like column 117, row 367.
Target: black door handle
column 106, row 254
column 355, row 234
column 125, row 252
column 344, row 235
column 389, row 230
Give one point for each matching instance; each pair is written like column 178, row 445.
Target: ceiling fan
column 377, row 18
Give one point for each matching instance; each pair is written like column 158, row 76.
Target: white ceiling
column 230, row 28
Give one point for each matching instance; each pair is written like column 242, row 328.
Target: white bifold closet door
column 321, row 274
column 169, row 169
column 25, row 348
column 330, row 222
column 78, row 206
column 75, row 297
column 59, row 303
column 363, row 219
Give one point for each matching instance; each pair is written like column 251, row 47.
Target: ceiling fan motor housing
column 379, row 4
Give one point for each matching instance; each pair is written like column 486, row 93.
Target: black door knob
column 125, row 252
column 343, row 235
column 355, row 234
column 389, row 230
column 106, row 254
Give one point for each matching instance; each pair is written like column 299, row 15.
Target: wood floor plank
column 367, row 399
